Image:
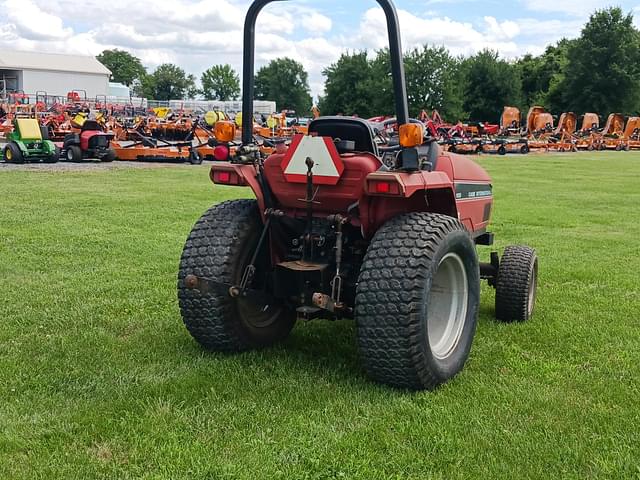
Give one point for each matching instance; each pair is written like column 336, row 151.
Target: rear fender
column 22, row 147
column 225, row 173
column 416, row 192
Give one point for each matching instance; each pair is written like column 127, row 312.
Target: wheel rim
column 256, row 314
column 9, row 154
column 447, row 308
column 531, row 297
column 69, row 154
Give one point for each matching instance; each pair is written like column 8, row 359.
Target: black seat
column 353, row 129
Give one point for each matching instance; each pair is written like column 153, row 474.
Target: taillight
column 227, row 177
column 221, row 153
column 383, row 187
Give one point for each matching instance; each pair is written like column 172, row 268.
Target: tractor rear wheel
column 219, row 248
column 516, row 284
column 417, row 301
column 524, row 149
column 12, row 153
column 74, row 153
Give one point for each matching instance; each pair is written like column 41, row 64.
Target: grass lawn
column 99, row 378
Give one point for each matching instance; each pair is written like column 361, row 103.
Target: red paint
column 359, row 186
column 85, row 136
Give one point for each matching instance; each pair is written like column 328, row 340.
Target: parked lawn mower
column 562, row 138
column 631, row 136
column 344, row 228
column 586, row 137
column 539, row 128
column 148, row 149
column 611, row 136
column 91, row 142
column 509, row 139
column 28, row 142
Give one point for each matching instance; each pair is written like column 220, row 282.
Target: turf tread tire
column 74, row 153
column 213, row 249
column 16, row 153
column 517, row 265
column 391, row 294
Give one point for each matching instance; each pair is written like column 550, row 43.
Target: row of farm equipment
column 538, row 133
column 76, row 129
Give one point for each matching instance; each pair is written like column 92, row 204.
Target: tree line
column 599, row 71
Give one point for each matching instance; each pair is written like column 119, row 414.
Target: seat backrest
column 356, row 130
column 29, row 128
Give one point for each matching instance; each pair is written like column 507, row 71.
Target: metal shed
column 53, row 73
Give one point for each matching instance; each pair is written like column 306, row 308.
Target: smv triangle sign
column 327, row 164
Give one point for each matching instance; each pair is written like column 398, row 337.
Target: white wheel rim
column 532, row 291
column 69, row 154
column 447, row 307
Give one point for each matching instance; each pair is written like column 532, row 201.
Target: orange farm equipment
column 611, row 136
column 586, row 137
column 631, row 136
column 562, row 138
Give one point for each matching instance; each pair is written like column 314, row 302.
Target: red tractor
column 91, row 142
column 343, row 227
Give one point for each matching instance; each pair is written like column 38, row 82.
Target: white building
column 55, row 74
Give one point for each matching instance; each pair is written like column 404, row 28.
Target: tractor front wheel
column 516, row 284
column 417, row 301
column 219, row 248
column 74, row 153
column 502, row 150
column 12, row 153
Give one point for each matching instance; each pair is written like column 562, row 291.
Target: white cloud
column 196, row 34
column 315, row 22
column 30, row 21
column 459, row 37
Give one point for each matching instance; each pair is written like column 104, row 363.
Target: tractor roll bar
column 395, row 49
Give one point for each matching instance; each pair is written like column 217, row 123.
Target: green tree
column 349, row 87
column 167, row 82
column 125, row 68
column 434, row 81
column 286, row 82
column 543, row 76
column 603, row 69
column 490, row 84
column 357, row 85
column 220, row 82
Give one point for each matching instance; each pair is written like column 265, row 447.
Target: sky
column 196, row 34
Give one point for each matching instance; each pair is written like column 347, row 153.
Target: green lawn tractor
column 29, row 143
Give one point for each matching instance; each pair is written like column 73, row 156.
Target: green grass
column 99, row 378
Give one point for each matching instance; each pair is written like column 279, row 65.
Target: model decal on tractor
column 473, row 190
column 328, row 165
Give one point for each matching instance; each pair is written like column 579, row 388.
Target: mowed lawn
column 99, row 378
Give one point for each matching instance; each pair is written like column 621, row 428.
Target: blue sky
column 196, row 34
